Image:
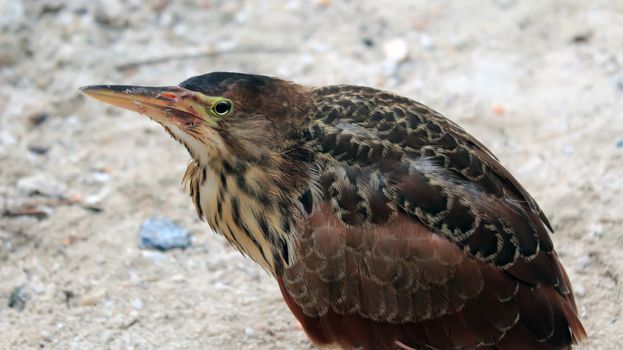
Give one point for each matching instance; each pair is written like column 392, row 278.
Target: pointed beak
column 169, row 104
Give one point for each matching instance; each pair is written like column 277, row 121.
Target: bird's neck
column 248, row 206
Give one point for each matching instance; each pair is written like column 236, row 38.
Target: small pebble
column 249, row 332
column 162, row 234
column 579, row 290
column 426, row 42
column 155, row 257
column 39, row 150
column 568, row 150
column 92, row 298
column 106, row 335
column 226, row 45
column 595, row 231
column 96, row 198
column 178, row 278
column 7, row 138
column 13, row 15
column 46, row 337
column 42, row 184
column 37, row 288
column 584, row 261
column 18, row 298
column 582, row 37
column 620, row 144
column 38, row 118
column 69, row 296
column 110, row 12
column 505, row 4
column 137, row 303
column 396, row 50
column 499, row 110
column 101, row 176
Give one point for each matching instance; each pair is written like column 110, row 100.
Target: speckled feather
column 385, row 224
column 394, row 154
column 415, row 225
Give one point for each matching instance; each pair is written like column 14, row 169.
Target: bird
column 385, row 224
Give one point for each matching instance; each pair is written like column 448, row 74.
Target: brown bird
column 386, row 225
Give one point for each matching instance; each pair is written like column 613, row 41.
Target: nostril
column 168, row 95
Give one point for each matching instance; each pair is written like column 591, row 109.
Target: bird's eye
column 222, row 107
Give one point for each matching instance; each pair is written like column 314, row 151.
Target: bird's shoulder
column 412, row 129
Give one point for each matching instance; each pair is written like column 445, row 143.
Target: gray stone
column 18, row 298
column 163, row 234
column 42, row 184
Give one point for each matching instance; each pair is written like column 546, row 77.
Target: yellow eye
column 222, row 107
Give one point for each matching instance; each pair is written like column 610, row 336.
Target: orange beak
column 169, row 104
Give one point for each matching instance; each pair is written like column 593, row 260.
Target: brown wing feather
column 419, row 237
column 386, row 153
column 380, row 286
column 417, row 130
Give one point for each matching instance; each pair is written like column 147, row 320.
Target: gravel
column 538, row 82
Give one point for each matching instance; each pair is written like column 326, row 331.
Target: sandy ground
column 540, row 83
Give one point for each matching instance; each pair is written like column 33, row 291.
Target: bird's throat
column 233, row 199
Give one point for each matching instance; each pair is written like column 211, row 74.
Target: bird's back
column 418, row 236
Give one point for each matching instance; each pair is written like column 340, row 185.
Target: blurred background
column 539, row 83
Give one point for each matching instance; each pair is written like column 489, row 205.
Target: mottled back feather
column 419, row 236
column 386, row 154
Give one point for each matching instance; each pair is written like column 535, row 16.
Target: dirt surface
column 540, row 83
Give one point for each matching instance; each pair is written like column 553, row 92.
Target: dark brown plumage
column 385, row 224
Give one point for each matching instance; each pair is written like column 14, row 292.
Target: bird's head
column 219, row 115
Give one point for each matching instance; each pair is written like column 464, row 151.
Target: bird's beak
column 170, row 104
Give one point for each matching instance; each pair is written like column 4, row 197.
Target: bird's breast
column 249, row 224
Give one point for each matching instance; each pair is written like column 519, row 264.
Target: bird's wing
column 388, row 154
column 398, row 283
column 417, row 230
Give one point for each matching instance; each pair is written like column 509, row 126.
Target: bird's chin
column 185, row 121
column 202, row 141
